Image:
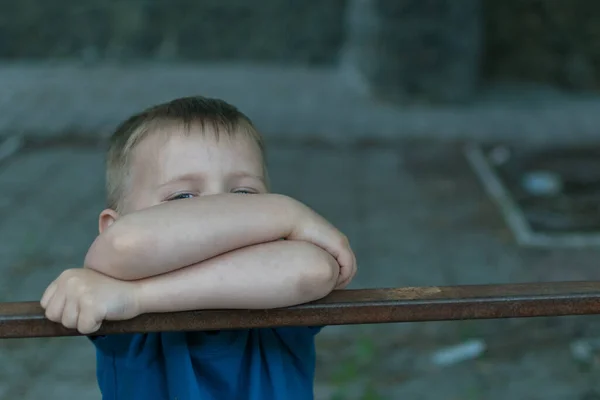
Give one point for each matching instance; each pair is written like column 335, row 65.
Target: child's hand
column 311, row 227
column 82, row 298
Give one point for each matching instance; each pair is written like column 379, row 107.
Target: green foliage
column 349, row 376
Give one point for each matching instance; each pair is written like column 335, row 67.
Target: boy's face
column 195, row 164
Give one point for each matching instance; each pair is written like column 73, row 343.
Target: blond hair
column 217, row 114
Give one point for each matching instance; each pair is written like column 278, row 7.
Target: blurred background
column 422, row 128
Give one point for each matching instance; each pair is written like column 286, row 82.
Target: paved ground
column 416, row 216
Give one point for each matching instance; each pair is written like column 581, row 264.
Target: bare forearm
column 263, row 276
column 173, row 235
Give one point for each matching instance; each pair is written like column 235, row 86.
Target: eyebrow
column 197, row 176
column 240, row 175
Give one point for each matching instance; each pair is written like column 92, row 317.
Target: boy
column 191, row 224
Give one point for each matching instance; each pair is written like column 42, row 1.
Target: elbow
column 97, row 257
column 319, row 277
column 113, row 252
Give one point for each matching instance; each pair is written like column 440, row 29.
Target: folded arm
column 177, row 234
column 263, row 276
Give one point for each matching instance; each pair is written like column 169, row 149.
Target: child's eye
column 243, row 191
column 182, row 196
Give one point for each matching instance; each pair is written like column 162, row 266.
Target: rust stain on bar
column 366, row 306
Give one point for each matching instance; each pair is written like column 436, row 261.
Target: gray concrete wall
column 400, row 49
column 430, row 51
column 299, row 32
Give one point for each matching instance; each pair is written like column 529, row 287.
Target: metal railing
column 366, row 306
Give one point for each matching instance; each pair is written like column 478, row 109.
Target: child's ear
column 106, row 219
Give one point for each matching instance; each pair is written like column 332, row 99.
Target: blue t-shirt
column 255, row 364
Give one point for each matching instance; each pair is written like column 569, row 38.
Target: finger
column 55, row 307
column 347, row 263
column 347, row 260
column 338, row 246
column 70, row 314
column 50, row 290
column 91, row 315
column 343, row 283
column 330, row 239
column 342, row 279
column 354, row 268
column 346, row 276
column 88, row 323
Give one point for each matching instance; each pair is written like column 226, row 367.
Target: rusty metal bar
column 26, row 320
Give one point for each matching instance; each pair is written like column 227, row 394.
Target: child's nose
column 214, row 188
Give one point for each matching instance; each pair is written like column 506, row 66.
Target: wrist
column 154, row 295
column 292, row 211
column 139, row 297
